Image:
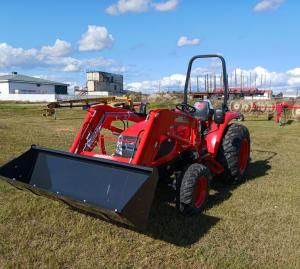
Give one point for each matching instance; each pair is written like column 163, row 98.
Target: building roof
column 104, row 73
column 28, row 79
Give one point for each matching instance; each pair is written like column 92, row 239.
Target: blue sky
column 140, row 38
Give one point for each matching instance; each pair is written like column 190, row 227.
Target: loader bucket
column 115, row 191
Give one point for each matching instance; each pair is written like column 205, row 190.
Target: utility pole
column 250, row 80
column 242, row 80
column 207, row 85
column 215, row 82
column 221, row 81
column 234, row 78
column 265, row 81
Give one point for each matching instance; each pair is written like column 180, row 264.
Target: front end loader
column 118, row 156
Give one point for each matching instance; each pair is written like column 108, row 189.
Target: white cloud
column 10, row 56
column 124, row 6
column 143, row 86
column 294, row 77
column 213, row 66
column 166, row 6
column 174, row 81
column 70, row 64
column 268, row 5
column 75, row 65
column 137, row 6
column 118, row 69
column 59, row 49
column 185, row 41
column 49, row 56
column 294, row 72
column 294, row 81
column 260, row 77
column 95, row 39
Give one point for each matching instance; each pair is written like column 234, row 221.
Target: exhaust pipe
column 115, row 191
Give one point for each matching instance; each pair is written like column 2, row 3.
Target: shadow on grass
column 255, row 170
column 288, row 122
column 166, row 224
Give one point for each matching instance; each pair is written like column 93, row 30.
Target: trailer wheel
column 234, row 153
column 194, row 190
column 235, row 106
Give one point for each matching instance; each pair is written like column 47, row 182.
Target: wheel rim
column 200, row 191
column 244, row 155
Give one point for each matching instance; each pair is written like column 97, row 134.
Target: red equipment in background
column 280, row 109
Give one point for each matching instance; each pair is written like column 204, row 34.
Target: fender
column 216, row 133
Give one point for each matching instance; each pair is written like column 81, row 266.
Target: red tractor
column 184, row 147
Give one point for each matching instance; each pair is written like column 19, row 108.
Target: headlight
column 126, row 146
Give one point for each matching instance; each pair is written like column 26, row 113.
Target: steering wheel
column 186, row 108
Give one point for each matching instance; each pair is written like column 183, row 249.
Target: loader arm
column 98, row 117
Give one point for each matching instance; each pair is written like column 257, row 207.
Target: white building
column 17, row 87
column 291, row 93
column 104, row 84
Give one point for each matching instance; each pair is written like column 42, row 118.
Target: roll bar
column 225, row 78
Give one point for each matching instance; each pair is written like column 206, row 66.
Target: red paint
column 244, row 155
column 148, row 134
column 200, row 192
column 280, row 109
column 215, row 134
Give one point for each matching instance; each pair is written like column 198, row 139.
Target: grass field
column 254, row 225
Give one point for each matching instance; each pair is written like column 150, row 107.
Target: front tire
column 194, row 190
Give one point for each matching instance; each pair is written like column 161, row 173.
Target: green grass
column 254, row 225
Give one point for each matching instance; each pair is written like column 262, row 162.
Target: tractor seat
column 204, row 110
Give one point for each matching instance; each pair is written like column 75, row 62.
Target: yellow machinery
column 85, row 102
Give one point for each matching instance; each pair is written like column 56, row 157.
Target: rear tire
column 194, row 190
column 234, row 153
